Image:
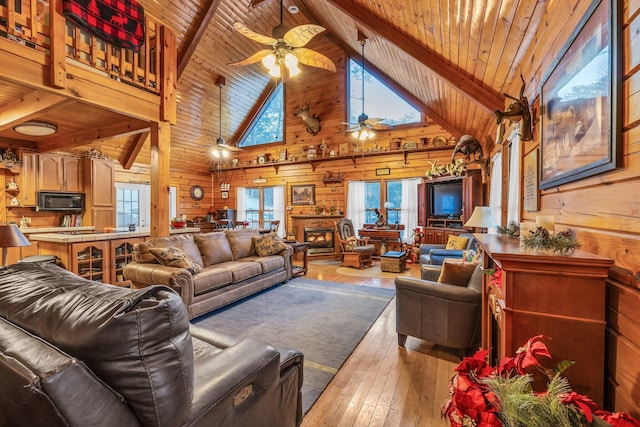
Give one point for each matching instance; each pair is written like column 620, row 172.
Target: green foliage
column 511, row 230
column 562, row 242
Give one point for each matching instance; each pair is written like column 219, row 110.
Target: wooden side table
column 299, row 270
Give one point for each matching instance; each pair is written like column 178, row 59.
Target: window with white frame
column 133, row 204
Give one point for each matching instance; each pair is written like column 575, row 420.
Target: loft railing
column 27, row 22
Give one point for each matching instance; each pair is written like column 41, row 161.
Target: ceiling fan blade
column 302, row 34
column 314, row 59
column 381, row 126
column 256, row 57
column 250, row 34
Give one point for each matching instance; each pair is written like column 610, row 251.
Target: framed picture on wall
column 303, row 194
column 581, row 101
column 225, row 194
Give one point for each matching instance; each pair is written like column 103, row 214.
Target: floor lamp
column 481, row 218
column 11, row 236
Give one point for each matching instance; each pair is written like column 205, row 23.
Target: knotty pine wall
column 603, row 210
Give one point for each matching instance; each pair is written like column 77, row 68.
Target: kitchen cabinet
column 542, row 293
column 59, row 173
column 99, row 186
column 90, row 260
column 121, row 253
column 28, row 178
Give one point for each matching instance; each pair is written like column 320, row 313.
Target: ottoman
column 393, row 262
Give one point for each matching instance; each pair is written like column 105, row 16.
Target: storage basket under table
column 393, row 262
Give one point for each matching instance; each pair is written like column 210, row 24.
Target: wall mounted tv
column 445, row 199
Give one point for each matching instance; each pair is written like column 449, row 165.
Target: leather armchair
column 444, row 314
column 434, row 254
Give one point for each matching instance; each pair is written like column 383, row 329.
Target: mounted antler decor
column 312, row 122
column 516, row 111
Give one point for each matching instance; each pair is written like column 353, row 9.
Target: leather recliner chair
column 444, row 314
column 79, row 353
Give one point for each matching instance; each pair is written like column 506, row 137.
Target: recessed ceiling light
column 293, row 9
column 36, row 128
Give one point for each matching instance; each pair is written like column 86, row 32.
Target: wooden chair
column 356, row 252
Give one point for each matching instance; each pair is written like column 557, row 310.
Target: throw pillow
column 456, row 273
column 269, row 244
column 456, row 242
column 174, row 257
column 350, row 243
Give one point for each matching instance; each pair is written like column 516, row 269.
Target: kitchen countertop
column 86, row 234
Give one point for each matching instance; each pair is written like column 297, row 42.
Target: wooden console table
column 561, row 297
column 299, row 270
column 391, row 238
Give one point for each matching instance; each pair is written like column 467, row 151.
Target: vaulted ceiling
column 456, row 57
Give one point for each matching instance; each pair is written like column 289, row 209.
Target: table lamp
column 11, row 236
column 481, row 218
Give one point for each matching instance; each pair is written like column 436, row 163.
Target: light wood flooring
column 383, row 384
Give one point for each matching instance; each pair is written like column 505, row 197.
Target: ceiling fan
column 287, row 48
column 221, row 148
column 366, row 127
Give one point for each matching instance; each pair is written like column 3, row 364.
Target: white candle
column 546, row 221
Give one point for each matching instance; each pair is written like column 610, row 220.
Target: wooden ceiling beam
column 117, row 130
column 486, row 98
column 30, row 107
column 128, row 157
column 196, row 32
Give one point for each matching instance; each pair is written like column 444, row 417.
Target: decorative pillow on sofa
column 456, row 273
column 457, row 242
column 269, row 244
column 351, row 243
column 174, row 257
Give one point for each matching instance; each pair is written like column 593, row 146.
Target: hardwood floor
column 383, row 384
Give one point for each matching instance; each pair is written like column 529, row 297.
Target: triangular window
column 380, row 101
column 268, row 126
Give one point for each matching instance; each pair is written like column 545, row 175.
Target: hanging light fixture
column 35, row 128
column 220, row 149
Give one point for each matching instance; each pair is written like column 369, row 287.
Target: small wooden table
column 298, row 247
column 390, row 238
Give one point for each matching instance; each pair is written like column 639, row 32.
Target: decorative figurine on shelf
column 15, row 201
column 381, row 221
column 12, row 185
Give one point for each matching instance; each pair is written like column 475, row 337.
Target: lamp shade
column 481, row 217
column 11, row 236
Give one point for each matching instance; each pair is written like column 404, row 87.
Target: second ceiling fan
column 287, row 48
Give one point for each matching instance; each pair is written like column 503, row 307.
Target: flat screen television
column 445, row 199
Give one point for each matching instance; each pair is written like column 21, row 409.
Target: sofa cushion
column 456, row 273
column 137, row 342
column 243, row 270
column 268, row 244
column 210, row 279
column 268, row 263
column 241, row 242
column 214, row 248
column 174, row 257
column 184, row 242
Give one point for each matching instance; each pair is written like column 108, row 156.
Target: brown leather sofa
column 78, row 353
column 444, row 314
column 231, row 269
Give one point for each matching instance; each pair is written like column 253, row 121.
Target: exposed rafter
column 129, row 156
column 30, row 106
column 99, row 134
column 196, row 32
column 486, row 98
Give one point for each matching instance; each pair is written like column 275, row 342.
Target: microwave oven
column 60, row 202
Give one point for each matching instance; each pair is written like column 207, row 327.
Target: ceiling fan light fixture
column 269, row 61
column 275, row 71
column 35, row 128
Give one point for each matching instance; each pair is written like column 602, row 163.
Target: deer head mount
column 312, row 122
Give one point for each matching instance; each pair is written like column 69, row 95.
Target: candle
column 546, row 221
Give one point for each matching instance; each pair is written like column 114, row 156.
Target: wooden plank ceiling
column 455, row 56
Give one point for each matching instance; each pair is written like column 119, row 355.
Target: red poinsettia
column 526, row 356
column 585, row 404
column 618, row 419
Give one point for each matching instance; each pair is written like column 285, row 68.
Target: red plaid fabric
column 120, row 22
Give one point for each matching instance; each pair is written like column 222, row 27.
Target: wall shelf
column 314, row 162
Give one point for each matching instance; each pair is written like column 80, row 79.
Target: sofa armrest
column 147, row 274
column 437, row 290
column 288, row 265
column 425, row 248
column 437, row 256
column 236, row 386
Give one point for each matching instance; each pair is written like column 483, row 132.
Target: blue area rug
column 324, row 320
